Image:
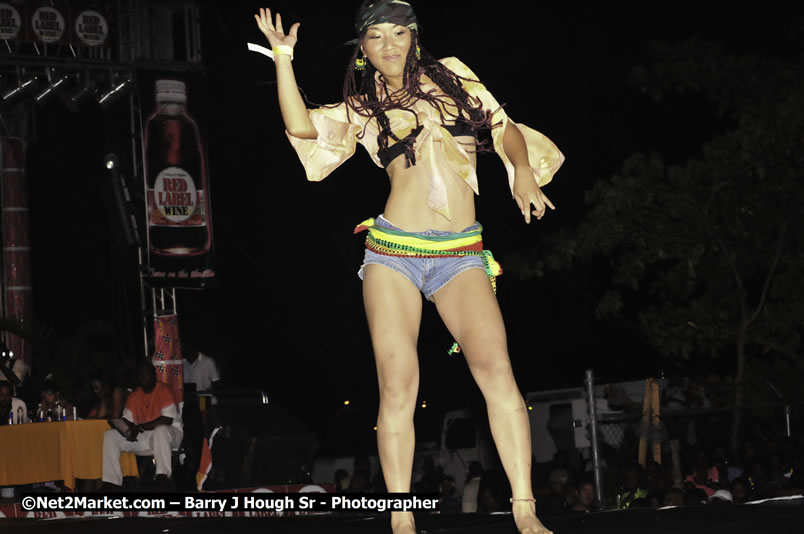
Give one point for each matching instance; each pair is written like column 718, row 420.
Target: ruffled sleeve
column 336, row 141
column 544, row 157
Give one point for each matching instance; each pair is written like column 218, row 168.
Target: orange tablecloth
column 62, row 450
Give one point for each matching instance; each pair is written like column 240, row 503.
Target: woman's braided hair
column 362, row 98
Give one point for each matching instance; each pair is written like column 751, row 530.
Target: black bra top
column 460, row 128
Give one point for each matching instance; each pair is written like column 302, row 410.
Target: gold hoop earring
column 360, row 63
column 418, row 52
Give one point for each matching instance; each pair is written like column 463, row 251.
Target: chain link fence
column 702, row 429
column 620, row 433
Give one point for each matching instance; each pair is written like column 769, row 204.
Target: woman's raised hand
column 274, row 32
column 291, row 104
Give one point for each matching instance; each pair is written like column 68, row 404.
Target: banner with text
column 73, row 22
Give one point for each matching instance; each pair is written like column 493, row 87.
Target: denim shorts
column 427, row 274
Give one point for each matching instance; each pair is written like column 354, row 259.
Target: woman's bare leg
column 394, row 309
column 469, row 308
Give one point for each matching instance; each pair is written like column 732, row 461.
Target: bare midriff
column 407, row 207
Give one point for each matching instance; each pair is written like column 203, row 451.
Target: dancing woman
column 419, row 119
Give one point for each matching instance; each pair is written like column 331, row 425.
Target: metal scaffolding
column 141, row 34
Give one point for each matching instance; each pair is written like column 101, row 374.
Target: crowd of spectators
column 704, row 471
column 698, row 467
column 772, row 468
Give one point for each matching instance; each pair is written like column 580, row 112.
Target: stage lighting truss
column 72, row 85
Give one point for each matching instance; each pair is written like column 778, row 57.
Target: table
column 59, row 450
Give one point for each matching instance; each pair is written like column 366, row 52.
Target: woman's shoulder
column 338, row 108
column 343, row 112
column 458, row 67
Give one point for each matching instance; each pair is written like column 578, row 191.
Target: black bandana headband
column 386, row 11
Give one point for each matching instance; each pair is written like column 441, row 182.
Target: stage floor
column 779, row 516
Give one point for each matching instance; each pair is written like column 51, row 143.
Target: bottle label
column 174, row 200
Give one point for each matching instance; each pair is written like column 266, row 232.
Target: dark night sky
column 287, row 314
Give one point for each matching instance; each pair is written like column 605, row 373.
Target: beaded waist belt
column 391, row 242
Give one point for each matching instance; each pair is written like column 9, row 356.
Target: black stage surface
column 776, row 516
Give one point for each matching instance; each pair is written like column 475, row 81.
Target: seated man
column 11, row 408
column 151, row 421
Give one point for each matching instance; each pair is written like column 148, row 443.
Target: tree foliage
column 707, row 255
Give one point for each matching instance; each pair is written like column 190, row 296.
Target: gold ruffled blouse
column 436, row 149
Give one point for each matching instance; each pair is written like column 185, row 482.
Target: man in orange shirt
column 151, row 422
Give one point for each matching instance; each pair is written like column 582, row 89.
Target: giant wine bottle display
column 177, row 203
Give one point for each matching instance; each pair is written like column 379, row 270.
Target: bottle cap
column 171, row 91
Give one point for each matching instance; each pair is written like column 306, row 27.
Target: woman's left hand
column 527, row 193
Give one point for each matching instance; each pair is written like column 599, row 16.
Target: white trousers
column 160, row 442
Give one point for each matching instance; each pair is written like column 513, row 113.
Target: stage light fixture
column 128, row 223
column 25, row 87
column 114, row 94
column 56, row 85
column 84, row 92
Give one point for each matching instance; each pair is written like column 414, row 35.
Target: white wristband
column 280, row 49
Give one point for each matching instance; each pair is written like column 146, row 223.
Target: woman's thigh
column 393, row 310
column 469, row 309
